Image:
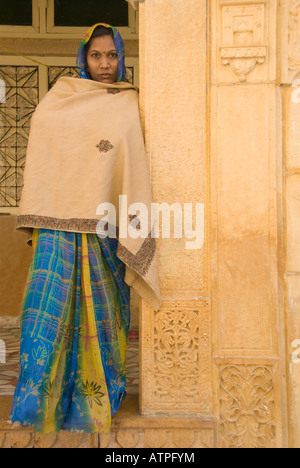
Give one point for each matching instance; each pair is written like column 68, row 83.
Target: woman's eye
column 111, row 55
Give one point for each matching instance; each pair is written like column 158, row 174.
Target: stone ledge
column 129, row 430
column 132, row 430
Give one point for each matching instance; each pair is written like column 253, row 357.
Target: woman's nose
column 104, row 63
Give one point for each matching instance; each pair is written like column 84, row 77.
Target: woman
column 85, row 148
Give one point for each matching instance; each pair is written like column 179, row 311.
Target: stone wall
column 15, row 259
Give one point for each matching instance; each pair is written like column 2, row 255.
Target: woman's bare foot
column 14, row 425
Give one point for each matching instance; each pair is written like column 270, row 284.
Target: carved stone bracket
column 243, row 36
column 243, row 60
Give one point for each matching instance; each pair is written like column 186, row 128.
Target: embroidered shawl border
column 139, row 262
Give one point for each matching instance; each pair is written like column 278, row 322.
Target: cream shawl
column 86, row 148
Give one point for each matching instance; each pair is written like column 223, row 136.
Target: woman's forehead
column 104, row 43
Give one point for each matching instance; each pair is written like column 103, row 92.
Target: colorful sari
column 74, row 325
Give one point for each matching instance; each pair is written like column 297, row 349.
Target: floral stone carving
column 247, row 405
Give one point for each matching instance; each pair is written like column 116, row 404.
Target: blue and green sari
column 75, row 322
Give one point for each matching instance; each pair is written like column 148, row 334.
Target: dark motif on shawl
column 104, row 146
column 113, row 91
column 136, row 223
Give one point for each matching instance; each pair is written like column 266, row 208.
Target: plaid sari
column 75, row 322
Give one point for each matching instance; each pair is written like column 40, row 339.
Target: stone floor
column 9, row 370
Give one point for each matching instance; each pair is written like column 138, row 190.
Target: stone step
column 129, row 430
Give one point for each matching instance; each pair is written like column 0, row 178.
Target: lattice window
column 16, row 109
column 54, row 73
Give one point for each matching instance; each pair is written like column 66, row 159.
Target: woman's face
column 102, row 60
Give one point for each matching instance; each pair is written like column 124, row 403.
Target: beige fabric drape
column 86, row 148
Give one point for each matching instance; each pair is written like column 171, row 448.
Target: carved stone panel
column 244, row 41
column 247, row 406
column 175, row 358
column 243, row 37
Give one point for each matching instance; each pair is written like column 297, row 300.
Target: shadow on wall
column 15, row 259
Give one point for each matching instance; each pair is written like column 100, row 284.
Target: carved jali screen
column 19, row 97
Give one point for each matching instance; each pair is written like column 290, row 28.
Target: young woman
column 85, row 148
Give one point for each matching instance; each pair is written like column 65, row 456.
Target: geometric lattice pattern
column 54, row 73
column 22, row 97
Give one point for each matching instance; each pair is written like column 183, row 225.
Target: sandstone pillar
column 176, row 375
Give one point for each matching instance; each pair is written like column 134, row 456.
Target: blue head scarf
column 80, row 62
